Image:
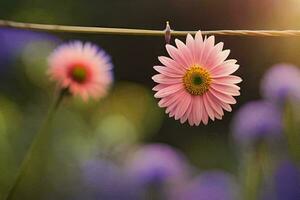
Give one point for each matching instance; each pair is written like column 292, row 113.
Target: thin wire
column 142, row 32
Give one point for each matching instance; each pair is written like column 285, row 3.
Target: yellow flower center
column 197, row 80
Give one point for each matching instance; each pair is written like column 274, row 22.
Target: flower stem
column 34, row 145
column 292, row 132
column 256, row 168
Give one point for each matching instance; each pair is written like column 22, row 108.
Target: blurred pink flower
column 83, row 69
column 196, row 84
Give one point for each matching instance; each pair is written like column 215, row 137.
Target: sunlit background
column 108, row 149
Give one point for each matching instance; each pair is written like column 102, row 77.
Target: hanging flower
column 196, row 84
column 83, row 69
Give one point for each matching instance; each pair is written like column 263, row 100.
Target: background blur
column 129, row 116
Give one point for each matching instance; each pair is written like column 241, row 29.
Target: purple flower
column 12, row 42
column 285, row 184
column 280, row 82
column 287, row 181
column 256, row 121
column 104, row 180
column 214, row 185
column 156, row 164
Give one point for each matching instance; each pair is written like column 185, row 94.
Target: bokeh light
column 36, row 66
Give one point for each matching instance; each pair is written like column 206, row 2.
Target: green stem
column 256, row 169
column 292, row 131
column 35, row 143
column 155, row 191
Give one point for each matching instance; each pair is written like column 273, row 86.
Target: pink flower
column 83, row 69
column 196, row 84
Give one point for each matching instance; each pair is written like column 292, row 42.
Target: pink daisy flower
column 83, row 69
column 196, row 84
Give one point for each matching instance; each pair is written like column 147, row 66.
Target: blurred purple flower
column 12, row 42
column 285, row 184
column 157, row 164
column 104, row 180
column 256, row 121
column 280, row 82
column 214, row 185
column 287, row 181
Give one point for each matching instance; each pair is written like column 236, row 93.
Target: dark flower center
column 197, row 80
column 79, row 74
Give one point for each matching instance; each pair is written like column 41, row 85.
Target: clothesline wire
column 142, row 32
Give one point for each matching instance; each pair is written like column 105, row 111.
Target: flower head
column 255, row 121
column 280, row 82
column 83, row 69
column 156, row 164
column 196, row 84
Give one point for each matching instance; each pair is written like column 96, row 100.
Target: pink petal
column 171, row 109
column 231, row 79
column 226, row 106
column 159, row 87
column 185, row 52
column 160, row 78
column 176, row 55
column 209, row 46
column 190, row 43
column 191, row 120
column 214, row 104
column 214, row 99
column 204, row 116
column 168, row 90
column 187, row 113
column 219, row 58
column 218, row 116
column 232, row 90
column 208, row 108
column 168, row 62
column 198, row 47
column 183, row 106
column 213, row 57
column 224, row 70
column 167, row 71
column 200, row 53
column 198, row 109
column 225, row 63
column 198, row 37
column 167, row 101
column 222, row 97
column 219, row 47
